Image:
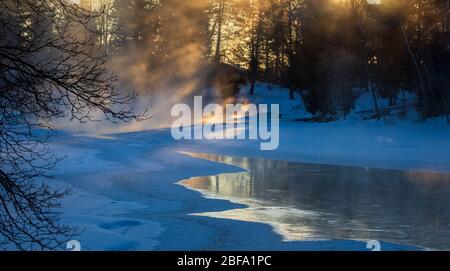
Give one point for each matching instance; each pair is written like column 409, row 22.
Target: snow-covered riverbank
column 126, row 195
column 391, row 143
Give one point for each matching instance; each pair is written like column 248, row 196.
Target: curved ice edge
column 247, row 204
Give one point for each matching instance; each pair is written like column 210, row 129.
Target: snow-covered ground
column 126, row 196
column 392, row 143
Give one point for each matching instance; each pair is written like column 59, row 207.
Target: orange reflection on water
column 311, row 201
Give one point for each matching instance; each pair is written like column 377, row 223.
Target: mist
column 159, row 51
column 329, row 51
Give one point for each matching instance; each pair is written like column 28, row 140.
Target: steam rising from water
column 165, row 68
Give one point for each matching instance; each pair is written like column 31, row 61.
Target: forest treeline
column 327, row 50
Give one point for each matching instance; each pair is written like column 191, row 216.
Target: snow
column 100, row 221
column 274, row 94
column 126, row 197
column 103, row 228
column 410, row 147
column 392, row 144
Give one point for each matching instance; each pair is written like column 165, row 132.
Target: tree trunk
column 254, row 61
column 417, row 67
column 291, row 93
column 252, row 86
column 219, row 31
column 375, row 101
column 267, row 56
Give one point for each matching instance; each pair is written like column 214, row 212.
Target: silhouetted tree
column 51, row 66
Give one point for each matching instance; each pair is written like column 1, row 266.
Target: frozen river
column 309, row 201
